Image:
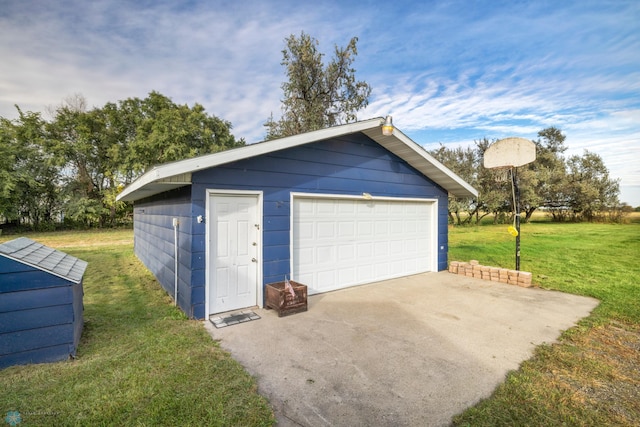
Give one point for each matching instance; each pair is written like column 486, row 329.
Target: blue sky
column 449, row 72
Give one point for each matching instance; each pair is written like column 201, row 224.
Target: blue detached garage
column 333, row 208
column 40, row 303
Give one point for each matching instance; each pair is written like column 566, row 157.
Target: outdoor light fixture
column 387, row 127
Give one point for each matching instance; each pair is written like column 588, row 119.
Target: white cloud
column 453, row 67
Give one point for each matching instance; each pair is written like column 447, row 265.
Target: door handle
column 254, row 260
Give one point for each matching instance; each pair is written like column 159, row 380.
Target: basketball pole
column 511, row 153
column 516, row 190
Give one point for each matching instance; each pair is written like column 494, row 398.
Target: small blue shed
column 40, row 303
column 333, row 208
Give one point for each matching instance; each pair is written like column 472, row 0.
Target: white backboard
column 512, row 152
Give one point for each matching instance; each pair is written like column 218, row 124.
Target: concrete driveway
column 413, row 351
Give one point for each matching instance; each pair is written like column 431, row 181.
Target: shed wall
column 42, row 323
column 349, row 165
column 154, row 242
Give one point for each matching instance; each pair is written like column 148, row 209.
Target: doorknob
column 254, row 260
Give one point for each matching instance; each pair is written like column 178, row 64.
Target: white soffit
column 412, row 153
column 178, row 174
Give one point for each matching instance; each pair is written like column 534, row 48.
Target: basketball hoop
column 501, row 174
column 504, row 157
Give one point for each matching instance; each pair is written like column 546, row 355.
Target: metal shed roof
column 44, row 258
column 178, row 174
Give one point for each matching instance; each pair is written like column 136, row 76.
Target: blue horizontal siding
column 78, row 315
column 35, row 318
column 34, row 279
column 9, row 266
column 154, row 240
column 39, row 338
column 41, row 315
column 349, row 165
column 34, row 298
column 41, row 355
column 443, row 232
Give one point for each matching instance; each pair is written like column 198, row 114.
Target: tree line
column 573, row 188
column 69, row 169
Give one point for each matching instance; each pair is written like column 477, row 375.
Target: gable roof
column 169, row 176
column 44, row 258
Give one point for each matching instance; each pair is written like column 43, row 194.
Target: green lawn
column 140, row 361
column 592, row 376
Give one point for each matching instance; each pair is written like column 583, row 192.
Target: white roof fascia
column 417, row 156
column 408, row 150
column 161, row 172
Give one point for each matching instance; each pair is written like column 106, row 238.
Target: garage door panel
column 346, row 208
column 422, row 245
column 382, row 228
column 305, row 278
column 326, row 254
column 396, row 209
column 346, row 229
column 326, row 279
column 347, row 275
column 396, row 246
column 381, row 249
column 397, row 267
column 410, row 227
column 306, row 230
column 365, row 273
column 364, row 228
column 326, row 230
column 363, row 208
column 395, row 227
column 306, row 255
column 410, row 246
column 347, row 252
column 382, row 270
column 365, row 250
column 345, row 242
column 326, row 208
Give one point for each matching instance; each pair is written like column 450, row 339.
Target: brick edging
column 495, row 274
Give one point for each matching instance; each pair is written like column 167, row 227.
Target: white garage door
column 340, row 242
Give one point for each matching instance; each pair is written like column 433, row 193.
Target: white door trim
column 433, row 229
column 259, row 216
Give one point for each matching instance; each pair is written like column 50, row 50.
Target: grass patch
column 592, row 375
column 140, row 360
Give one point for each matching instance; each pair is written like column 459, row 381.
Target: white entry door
column 233, row 243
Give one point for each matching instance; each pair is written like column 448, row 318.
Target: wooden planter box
column 281, row 300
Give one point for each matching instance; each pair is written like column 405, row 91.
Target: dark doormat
column 233, row 319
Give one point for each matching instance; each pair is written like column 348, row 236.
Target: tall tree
column 592, row 192
column 317, row 96
column 30, row 178
column 104, row 149
column 167, row 132
column 492, row 191
column 8, row 177
column 577, row 188
column 464, row 162
column 550, row 169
